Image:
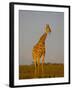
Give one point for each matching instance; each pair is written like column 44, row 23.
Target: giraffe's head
column 47, row 28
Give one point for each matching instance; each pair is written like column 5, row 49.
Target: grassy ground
column 50, row 71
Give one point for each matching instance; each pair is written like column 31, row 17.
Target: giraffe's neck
column 43, row 38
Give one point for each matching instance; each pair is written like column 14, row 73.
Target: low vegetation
column 50, row 71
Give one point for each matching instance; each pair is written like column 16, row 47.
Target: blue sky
column 31, row 27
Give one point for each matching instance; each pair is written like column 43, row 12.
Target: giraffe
column 38, row 50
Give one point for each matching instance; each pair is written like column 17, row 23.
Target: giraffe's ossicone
column 38, row 50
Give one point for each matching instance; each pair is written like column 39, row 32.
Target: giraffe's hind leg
column 35, row 68
column 43, row 57
column 38, row 63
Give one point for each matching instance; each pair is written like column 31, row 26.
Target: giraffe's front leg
column 43, row 56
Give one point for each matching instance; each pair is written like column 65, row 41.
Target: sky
column 31, row 27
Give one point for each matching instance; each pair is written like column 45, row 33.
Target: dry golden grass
column 50, row 71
